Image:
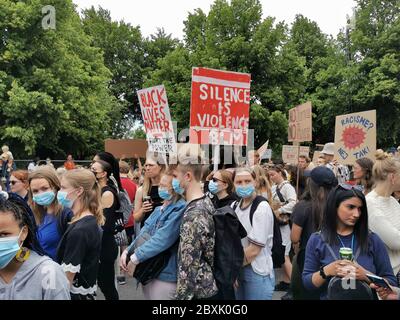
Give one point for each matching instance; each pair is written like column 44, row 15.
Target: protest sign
column 219, row 113
column 355, row 136
column 157, row 119
column 300, row 123
column 290, row 154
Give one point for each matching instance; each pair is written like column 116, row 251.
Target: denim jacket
column 163, row 226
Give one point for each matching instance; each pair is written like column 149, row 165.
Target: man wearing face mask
column 197, row 235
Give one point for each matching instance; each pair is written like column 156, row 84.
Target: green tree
column 53, row 84
column 123, row 51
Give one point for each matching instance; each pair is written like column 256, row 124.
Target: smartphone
column 147, row 198
column 380, row 282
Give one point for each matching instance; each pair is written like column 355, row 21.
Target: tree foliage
column 66, row 90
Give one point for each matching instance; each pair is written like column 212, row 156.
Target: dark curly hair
column 18, row 208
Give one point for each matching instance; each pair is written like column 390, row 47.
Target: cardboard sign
column 315, row 157
column 290, row 154
column 263, row 149
column 355, row 136
column 266, row 155
column 157, row 119
column 300, row 123
column 126, row 148
column 219, row 112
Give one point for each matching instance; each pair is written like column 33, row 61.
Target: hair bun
column 381, row 155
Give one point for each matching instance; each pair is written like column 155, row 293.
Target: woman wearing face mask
column 109, row 248
column 19, row 183
column 345, row 224
column 162, row 229
column 23, row 266
column 383, row 209
column 51, row 218
column 79, row 250
column 147, row 197
column 221, row 186
column 257, row 279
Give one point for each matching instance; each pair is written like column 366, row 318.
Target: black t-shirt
column 302, row 216
column 109, row 248
column 79, row 252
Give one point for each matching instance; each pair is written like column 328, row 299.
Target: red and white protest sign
column 219, row 113
column 157, row 119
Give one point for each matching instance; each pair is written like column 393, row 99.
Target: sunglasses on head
column 347, row 186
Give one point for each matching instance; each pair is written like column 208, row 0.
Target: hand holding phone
column 379, row 281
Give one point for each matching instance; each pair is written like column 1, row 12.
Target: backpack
column 278, row 250
column 125, row 204
column 228, row 250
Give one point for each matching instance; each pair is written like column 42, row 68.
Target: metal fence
column 23, row 164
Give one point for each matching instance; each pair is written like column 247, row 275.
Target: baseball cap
column 322, row 176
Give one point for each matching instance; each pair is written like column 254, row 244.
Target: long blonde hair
column 49, row 174
column 90, row 198
column 262, row 182
column 147, row 181
column 384, row 165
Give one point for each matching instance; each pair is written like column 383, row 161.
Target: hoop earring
column 23, row 254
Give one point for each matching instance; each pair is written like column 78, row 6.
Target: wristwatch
column 322, row 273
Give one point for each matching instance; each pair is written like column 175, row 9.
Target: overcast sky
column 170, row 14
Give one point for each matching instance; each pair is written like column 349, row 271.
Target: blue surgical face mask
column 63, row 200
column 213, row 187
column 44, row 198
column 245, row 191
column 164, row 194
column 9, row 247
column 177, row 186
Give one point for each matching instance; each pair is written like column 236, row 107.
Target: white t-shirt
column 260, row 233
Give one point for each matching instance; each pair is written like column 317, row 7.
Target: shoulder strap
column 279, row 194
column 333, row 253
column 254, row 206
column 235, row 205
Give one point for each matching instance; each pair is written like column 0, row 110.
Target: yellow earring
column 23, row 254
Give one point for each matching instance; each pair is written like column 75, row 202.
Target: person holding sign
column 342, row 172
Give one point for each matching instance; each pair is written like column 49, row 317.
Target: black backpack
column 228, row 250
column 278, row 250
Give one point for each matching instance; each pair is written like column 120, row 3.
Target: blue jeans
column 253, row 286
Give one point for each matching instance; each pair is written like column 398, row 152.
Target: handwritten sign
column 300, row 123
column 290, row 154
column 220, row 103
column 355, row 136
column 157, row 119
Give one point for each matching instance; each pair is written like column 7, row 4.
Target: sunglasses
column 347, row 186
column 12, row 182
column 215, row 180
